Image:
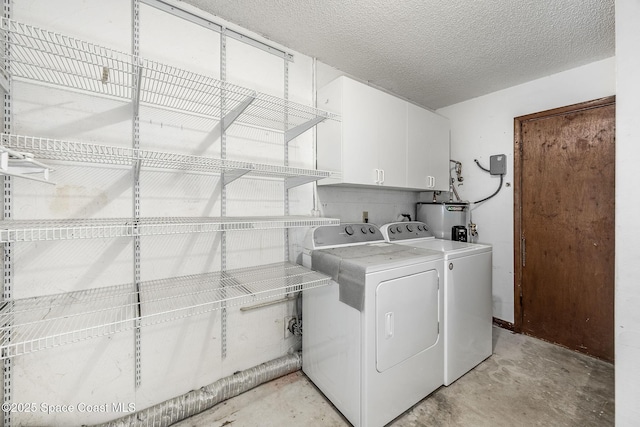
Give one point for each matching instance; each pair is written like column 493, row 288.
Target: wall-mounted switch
column 498, row 164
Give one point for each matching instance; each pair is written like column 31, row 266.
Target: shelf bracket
column 300, row 129
column 23, row 166
column 296, row 181
column 233, row 174
column 232, row 115
column 4, row 82
column 137, row 166
column 138, row 88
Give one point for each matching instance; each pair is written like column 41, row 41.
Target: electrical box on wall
column 498, row 164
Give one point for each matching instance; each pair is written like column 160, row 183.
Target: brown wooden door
column 566, row 167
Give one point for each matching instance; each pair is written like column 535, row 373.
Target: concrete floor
column 527, row 382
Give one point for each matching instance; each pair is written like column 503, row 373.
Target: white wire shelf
column 32, row 324
column 51, row 58
column 94, row 228
column 55, row 149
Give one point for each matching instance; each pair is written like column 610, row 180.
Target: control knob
column 398, row 229
column 410, row 228
column 349, row 230
column 364, row 230
column 372, row 230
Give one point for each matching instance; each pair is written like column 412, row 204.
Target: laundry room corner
column 342, row 214
column 484, row 126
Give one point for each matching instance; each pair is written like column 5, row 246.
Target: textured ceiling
column 434, row 52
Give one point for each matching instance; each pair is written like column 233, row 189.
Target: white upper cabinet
column 382, row 140
column 392, row 141
column 370, row 146
column 428, row 150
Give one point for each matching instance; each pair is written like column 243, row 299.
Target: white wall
column 482, row 127
column 383, row 206
column 627, row 323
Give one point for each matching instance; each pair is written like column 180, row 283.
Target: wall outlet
column 365, row 216
column 288, row 320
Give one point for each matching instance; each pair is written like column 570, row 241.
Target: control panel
column 346, row 234
column 397, row 231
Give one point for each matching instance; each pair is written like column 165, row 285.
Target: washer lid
column 451, row 248
column 379, row 256
column 349, row 265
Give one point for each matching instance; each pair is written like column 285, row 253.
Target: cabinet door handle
column 377, row 179
column 431, row 181
column 382, row 174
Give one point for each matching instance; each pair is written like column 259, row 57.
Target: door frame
column 517, row 191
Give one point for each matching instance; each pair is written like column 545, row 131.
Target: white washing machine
column 468, row 313
column 372, row 340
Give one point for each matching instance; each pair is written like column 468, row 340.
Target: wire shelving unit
column 55, row 149
column 99, row 228
column 54, row 320
column 51, row 58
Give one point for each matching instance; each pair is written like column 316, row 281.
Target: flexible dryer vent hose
column 196, row 401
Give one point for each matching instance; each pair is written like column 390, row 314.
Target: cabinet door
column 427, row 150
column 361, row 112
column 329, row 133
column 391, row 122
column 417, row 149
column 438, row 146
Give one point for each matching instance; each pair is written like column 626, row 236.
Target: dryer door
column 406, row 317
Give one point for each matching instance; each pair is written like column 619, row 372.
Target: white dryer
column 372, row 339
column 468, row 312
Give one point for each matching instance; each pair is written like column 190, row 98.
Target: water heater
column 442, row 217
